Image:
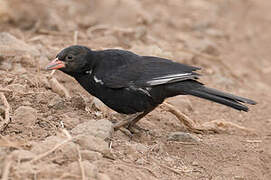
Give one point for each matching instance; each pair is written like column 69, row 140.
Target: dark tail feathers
column 222, row 98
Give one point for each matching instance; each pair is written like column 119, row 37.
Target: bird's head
column 73, row 59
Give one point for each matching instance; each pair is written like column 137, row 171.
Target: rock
column 195, row 163
column 92, row 143
column 56, row 103
column 17, row 88
column 209, row 47
column 102, row 176
column 11, row 46
column 18, row 69
column 4, row 11
column 140, row 147
column 70, row 122
column 25, row 115
column 140, row 161
column 101, row 128
column 43, row 81
column 68, row 151
column 2, row 111
column 46, row 170
column 91, row 155
column 23, row 155
column 91, row 170
column 42, row 62
column 183, row 137
column 78, row 102
column 58, row 88
column 99, row 105
column 5, row 65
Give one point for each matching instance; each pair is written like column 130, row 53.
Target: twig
column 136, row 166
column 54, row 33
column 253, row 141
column 43, row 155
column 52, row 73
column 7, row 166
column 189, row 123
column 80, row 163
column 69, row 138
column 66, row 132
column 97, row 27
column 182, row 117
column 166, row 167
column 4, row 124
column 5, row 90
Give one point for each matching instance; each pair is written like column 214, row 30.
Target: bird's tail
column 221, row 97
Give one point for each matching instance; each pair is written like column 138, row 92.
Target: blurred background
column 228, row 39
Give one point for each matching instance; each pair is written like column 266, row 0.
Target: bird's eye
column 69, row 57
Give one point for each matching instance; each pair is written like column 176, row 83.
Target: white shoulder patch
column 98, row 80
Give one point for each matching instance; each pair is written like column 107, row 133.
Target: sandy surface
column 229, row 40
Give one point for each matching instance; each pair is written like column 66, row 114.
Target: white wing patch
column 98, row 80
column 170, row 78
column 145, row 91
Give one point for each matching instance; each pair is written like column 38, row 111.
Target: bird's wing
column 148, row 71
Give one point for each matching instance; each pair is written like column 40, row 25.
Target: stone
column 25, row 115
column 56, row 103
column 68, row 151
column 89, row 142
column 91, row 156
column 102, row 176
column 23, row 155
column 209, row 47
column 11, row 46
column 58, row 88
column 183, row 137
column 4, row 11
column 91, row 170
column 99, row 105
column 140, row 147
column 17, row 88
column 70, row 122
column 18, row 68
column 101, row 128
column 78, row 102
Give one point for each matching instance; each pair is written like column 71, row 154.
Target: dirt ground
column 68, row 135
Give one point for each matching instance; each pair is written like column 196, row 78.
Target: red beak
column 55, row 64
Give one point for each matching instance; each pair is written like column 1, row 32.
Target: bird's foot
column 126, row 132
column 137, row 129
column 130, row 131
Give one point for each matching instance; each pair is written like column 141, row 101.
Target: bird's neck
column 86, row 81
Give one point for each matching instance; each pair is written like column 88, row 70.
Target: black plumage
column 129, row 83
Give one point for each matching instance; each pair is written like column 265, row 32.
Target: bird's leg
column 133, row 122
column 126, row 121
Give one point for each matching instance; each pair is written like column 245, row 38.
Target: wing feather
column 146, row 71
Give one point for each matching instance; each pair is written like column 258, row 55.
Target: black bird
column 132, row 84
